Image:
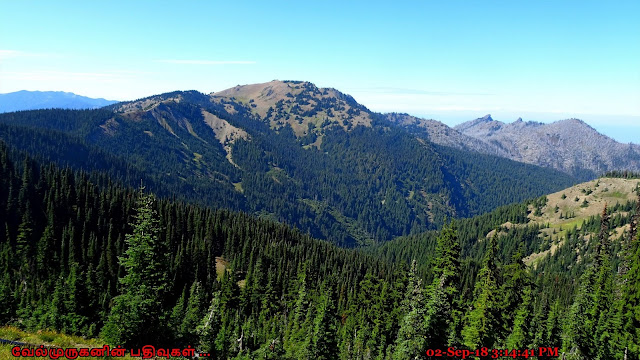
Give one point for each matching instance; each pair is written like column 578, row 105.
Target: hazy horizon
column 618, row 130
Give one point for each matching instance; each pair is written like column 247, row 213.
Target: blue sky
column 448, row 60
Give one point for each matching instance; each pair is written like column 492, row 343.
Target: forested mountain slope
column 289, row 151
column 65, row 231
column 240, row 287
column 578, row 248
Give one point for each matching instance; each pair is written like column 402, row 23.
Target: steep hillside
column 577, row 207
column 537, row 229
column 65, row 237
column 570, row 145
column 564, row 251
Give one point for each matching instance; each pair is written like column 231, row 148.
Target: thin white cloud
column 13, row 54
column 64, row 76
column 206, row 62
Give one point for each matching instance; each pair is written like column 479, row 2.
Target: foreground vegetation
column 47, row 338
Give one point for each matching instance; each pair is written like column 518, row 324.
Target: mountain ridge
column 312, row 158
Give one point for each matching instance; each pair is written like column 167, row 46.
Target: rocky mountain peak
column 480, row 126
column 568, row 145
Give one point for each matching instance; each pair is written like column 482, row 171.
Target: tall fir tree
column 443, row 310
column 324, row 343
column 630, row 294
column 516, row 303
column 589, row 326
column 411, row 339
column 137, row 316
column 482, row 322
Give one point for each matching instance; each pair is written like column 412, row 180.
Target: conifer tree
column 410, row 342
column 45, row 255
column 193, row 313
column 516, row 301
column 208, row 330
column 520, row 334
column 177, row 314
column 443, row 310
column 24, row 240
column 553, row 328
column 137, row 317
column 589, row 320
column 483, row 321
column 324, row 342
column 297, row 338
column 630, row 294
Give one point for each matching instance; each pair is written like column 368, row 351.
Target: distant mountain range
column 33, row 100
column 571, row 145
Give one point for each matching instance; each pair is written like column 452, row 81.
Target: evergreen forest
column 86, row 254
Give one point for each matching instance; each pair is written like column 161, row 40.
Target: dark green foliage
column 483, row 320
column 412, row 333
column 137, row 314
column 444, row 313
column 538, row 204
column 324, row 342
column 279, row 294
column 626, row 174
column 516, row 305
column 629, row 302
column 163, row 246
column 589, row 327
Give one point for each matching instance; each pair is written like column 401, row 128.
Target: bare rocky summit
column 571, row 145
column 306, row 108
